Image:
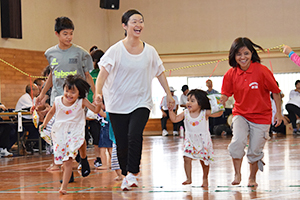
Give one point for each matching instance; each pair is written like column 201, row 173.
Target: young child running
column 68, row 128
column 114, row 158
column 104, row 141
column 197, row 144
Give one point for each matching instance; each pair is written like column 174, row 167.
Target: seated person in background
column 293, row 106
column 40, row 83
column 25, row 102
column 165, row 113
column 282, row 127
column 183, row 97
column 212, row 120
column 4, row 136
column 210, row 89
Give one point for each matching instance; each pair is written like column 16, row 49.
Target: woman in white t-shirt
column 126, row 72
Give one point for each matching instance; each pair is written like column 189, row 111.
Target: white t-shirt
column 128, row 85
column 294, row 98
column 183, row 99
column 25, row 101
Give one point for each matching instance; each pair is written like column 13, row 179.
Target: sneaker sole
column 7, row 156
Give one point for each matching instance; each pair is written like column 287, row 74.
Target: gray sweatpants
column 258, row 135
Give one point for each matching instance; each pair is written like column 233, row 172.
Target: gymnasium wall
column 13, row 82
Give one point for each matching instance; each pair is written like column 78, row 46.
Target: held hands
column 98, row 99
column 32, row 109
column 223, row 99
column 41, row 127
column 170, row 102
column 287, row 49
column 39, row 99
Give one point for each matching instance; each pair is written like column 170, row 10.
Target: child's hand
column 287, row 50
column 32, row 109
column 41, row 128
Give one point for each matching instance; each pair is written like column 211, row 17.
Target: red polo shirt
column 251, row 90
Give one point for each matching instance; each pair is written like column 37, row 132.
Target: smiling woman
column 127, row 70
column 252, row 116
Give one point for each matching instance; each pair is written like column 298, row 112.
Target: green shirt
column 94, row 75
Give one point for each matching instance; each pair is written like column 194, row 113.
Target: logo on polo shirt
column 63, row 74
column 54, row 62
column 253, row 85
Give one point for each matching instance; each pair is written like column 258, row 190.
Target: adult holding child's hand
column 126, row 72
column 251, row 116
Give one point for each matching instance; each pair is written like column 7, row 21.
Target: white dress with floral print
column 68, row 130
column 197, row 143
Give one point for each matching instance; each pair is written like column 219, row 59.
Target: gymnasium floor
column 161, row 175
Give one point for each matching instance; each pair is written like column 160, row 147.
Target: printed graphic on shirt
column 73, row 61
column 63, row 74
column 54, row 62
column 253, row 85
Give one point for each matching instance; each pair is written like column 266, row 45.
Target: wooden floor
column 161, row 175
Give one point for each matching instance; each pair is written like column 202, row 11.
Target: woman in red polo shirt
column 251, row 84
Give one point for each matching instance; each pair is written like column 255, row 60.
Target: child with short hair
column 197, row 144
column 68, row 128
column 64, row 59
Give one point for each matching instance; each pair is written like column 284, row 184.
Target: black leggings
column 293, row 110
column 128, row 130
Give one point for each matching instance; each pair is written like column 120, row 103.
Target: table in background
column 13, row 119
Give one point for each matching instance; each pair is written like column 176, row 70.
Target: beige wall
column 173, row 27
column 38, row 18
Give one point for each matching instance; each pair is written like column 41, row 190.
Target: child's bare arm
column 102, row 113
column 89, row 105
column 176, row 118
column 209, row 114
column 48, row 117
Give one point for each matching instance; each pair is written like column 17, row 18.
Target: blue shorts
column 104, row 140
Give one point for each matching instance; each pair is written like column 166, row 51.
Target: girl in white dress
column 69, row 127
column 197, row 144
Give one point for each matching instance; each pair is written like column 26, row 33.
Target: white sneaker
column 175, row 133
column 165, row 132
column 125, row 186
column 5, row 153
column 131, row 180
